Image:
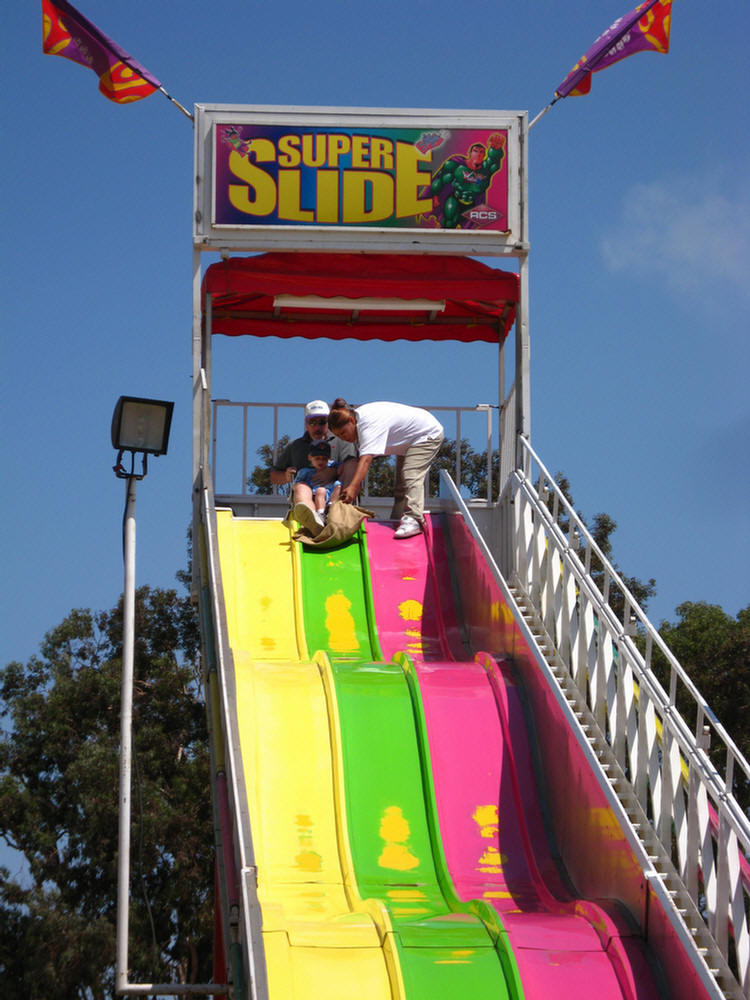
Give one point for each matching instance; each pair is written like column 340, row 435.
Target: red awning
column 460, row 298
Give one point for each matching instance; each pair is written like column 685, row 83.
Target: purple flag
column 645, row 29
column 68, row 33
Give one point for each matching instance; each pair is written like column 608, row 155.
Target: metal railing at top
column 660, row 734
column 248, row 408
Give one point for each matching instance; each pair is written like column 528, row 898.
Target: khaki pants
column 411, row 468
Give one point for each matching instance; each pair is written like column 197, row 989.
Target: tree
column 59, row 773
column 382, row 474
column 259, row 480
column 714, row 650
column 601, row 531
column 473, row 469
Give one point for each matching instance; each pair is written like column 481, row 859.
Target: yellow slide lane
column 315, row 945
column 258, row 580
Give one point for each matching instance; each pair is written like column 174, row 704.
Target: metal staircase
column 675, row 802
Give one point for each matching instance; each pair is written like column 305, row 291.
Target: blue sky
column 639, row 198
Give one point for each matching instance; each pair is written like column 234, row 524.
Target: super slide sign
column 396, row 180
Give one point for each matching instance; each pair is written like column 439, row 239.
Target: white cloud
column 692, row 231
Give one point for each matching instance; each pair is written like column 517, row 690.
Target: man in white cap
column 294, row 456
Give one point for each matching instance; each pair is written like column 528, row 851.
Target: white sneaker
column 320, row 517
column 408, row 526
column 308, row 518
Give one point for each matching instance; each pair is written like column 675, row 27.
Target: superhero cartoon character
column 235, row 140
column 461, row 182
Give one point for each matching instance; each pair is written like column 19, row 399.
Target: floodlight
column 140, row 426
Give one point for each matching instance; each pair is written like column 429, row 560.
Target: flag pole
column 176, row 104
column 542, row 113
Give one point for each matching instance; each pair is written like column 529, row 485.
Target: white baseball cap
column 316, row 408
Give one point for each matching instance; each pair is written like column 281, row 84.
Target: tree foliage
column 714, row 650
column 59, row 779
column 259, row 480
column 601, row 530
column 382, row 474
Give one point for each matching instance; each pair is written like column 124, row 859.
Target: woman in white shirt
column 410, row 433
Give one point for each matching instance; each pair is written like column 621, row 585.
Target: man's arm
column 285, row 469
column 281, row 476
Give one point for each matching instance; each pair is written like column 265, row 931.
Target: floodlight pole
column 126, row 738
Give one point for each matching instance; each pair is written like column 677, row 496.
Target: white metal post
column 523, row 395
column 126, row 737
column 198, row 401
column 122, row 984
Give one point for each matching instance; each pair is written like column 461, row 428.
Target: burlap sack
column 342, row 523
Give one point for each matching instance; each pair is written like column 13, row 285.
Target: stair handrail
column 694, row 749
column 551, row 565
column 578, row 534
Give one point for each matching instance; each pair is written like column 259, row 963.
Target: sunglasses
column 317, row 421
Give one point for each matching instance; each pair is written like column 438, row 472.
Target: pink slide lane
column 489, row 816
column 411, row 595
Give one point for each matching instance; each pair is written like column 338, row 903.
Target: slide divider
column 361, row 537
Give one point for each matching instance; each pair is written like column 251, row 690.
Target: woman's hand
column 349, row 493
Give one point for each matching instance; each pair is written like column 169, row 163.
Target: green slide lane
column 336, row 602
column 440, row 951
